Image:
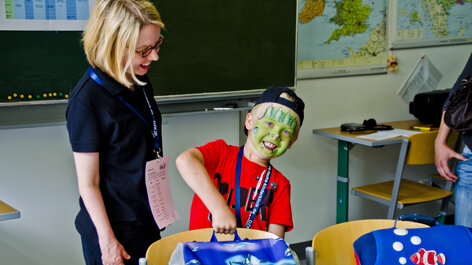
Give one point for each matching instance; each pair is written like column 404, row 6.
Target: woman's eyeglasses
column 148, row 51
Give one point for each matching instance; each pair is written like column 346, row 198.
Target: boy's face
column 273, row 131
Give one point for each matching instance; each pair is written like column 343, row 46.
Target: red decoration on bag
column 428, row 257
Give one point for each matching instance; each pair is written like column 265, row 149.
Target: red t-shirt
column 220, row 162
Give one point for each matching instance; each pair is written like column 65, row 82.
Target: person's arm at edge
column 443, row 153
column 277, row 229
column 192, row 169
column 87, row 167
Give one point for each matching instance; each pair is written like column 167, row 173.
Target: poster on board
column 44, row 15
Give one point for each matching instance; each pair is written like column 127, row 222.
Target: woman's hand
column 113, row 252
column 88, row 174
column 224, row 221
column 443, row 154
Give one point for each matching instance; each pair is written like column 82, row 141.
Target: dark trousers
column 136, row 248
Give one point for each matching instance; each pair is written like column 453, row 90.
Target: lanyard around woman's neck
column 154, row 132
column 237, row 200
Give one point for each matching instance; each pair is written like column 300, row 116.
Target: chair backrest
column 333, row 245
column 421, row 148
column 160, row 251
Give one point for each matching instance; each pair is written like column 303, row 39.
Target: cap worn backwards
column 272, row 95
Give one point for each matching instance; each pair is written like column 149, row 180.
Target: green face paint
column 274, row 131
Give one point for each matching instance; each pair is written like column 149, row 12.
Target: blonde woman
column 114, row 128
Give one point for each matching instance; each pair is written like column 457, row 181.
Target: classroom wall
column 37, row 174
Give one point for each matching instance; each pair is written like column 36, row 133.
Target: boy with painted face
column 237, row 186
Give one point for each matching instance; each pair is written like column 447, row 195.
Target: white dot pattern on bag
column 398, row 246
column 415, row 240
column 400, row 232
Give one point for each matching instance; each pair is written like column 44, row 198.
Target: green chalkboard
column 39, row 65
column 211, row 46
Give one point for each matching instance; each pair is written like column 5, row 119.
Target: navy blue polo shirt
column 97, row 121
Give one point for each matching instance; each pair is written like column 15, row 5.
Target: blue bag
column 437, row 245
column 238, row 252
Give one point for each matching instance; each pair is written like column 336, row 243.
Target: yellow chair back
column 333, row 245
column 421, row 149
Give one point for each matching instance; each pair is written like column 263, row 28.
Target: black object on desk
column 352, row 127
column 370, row 124
column 427, row 107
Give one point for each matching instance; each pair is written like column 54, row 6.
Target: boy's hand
column 224, row 221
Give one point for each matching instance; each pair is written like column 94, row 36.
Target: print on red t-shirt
column 220, row 162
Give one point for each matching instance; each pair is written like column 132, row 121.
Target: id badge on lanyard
column 158, row 190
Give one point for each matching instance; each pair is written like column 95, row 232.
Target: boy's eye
column 269, row 124
column 287, row 132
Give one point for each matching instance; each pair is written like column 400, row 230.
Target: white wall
column 37, row 173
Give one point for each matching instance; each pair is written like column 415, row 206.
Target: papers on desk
column 382, row 135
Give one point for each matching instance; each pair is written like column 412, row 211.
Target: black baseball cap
column 272, row 95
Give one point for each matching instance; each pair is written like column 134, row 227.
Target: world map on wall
column 433, row 19
column 345, row 33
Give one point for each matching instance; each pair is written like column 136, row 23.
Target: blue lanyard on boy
column 237, row 200
column 154, row 133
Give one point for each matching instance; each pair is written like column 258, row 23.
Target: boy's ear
column 249, row 123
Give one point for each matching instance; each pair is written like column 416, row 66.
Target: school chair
column 418, row 149
column 333, row 245
column 160, row 251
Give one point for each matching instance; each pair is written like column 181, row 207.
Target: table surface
column 345, row 139
column 337, row 134
column 7, row 212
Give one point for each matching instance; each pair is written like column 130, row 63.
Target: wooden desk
column 7, row 212
column 346, row 141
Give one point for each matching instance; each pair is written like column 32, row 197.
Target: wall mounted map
column 345, row 37
column 432, row 22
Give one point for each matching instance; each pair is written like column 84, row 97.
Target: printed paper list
column 158, row 188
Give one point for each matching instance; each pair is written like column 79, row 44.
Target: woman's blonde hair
column 112, row 32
